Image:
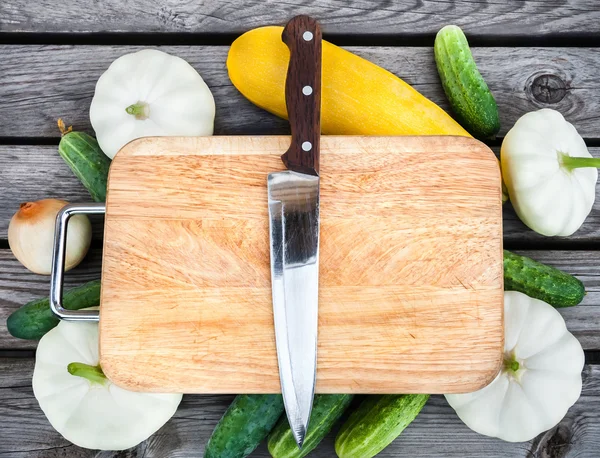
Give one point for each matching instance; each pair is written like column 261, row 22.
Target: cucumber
column 540, row 281
column 35, row 318
column 87, row 161
column 327, row 409
column 469, row 95
column 247, row 421
column 376, row 423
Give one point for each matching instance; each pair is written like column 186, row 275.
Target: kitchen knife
column 293, row 198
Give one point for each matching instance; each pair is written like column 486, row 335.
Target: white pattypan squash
column 549, row 173
column 82, row 404
column 150, row 93
column 540, row 380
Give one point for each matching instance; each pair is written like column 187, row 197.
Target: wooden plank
column 27, row 433
column 30, row 173
column 437, row 431
column 18, row 286
column 36, row 172
column 16, row 373
column 358, row 17
column 582, row 320
column 39, row 84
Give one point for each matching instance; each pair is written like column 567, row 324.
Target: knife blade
column 293, row 198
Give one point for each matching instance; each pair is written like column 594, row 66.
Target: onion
column 31, row 235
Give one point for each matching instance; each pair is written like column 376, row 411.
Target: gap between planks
column 419, row 40
column 356, row 19
column 592, row 357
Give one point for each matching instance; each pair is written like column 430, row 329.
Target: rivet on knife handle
column 303, row 94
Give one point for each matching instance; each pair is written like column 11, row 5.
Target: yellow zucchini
column 358, row 97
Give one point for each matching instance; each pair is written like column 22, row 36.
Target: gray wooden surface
column 18, row 286
column 436, row 432
column 532, row 53
column 30, row 172
column 353, row 17
column 38, row 83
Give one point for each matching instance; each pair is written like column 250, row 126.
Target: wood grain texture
column 38, row 172
column 32, row 172
column 436, row 432
column 37, row 84
column 357, row 17
column 410, row 265
column 19, row 286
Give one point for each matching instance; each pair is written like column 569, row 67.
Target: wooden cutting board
column 411, row 280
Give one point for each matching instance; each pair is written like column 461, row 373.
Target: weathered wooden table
column 533, row 54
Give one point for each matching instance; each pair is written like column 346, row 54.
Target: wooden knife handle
column 303, row 94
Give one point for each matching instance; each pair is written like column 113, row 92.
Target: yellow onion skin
column 31, row 235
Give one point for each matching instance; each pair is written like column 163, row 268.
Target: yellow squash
column 358, row 97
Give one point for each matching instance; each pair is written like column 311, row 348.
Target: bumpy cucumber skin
column 87, row 161
column 327, row 409
column 469, row 95
column 247, row 421
column 376, row 423
column 540, row 281
column 35, row 318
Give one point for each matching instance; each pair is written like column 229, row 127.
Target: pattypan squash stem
column 570, row 162
column 511, row 364
column 140, row 110
column 92, row 373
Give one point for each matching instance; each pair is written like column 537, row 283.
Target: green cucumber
column 247, row 421
column 87, row 161
column 467, row 92
column 540, row 281
column 327, row 409
column 35, row 318
column 376, row 423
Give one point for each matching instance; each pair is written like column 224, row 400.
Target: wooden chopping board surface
column 411, row 280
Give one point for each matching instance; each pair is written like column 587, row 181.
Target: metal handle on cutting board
column 58, row 261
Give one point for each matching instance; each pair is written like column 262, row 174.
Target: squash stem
column 511, row 364
column 63, row 130
column 570, row 162
column 92, row 373
column 140, row 110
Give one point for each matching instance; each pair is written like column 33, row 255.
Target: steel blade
column 294, row 238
